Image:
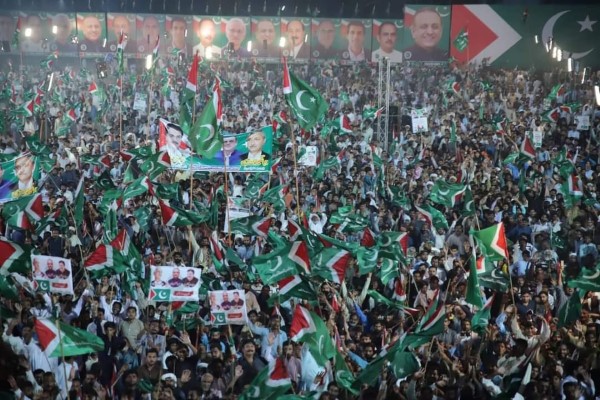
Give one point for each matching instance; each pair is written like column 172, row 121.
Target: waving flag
column 307, row 105
column 64, row 340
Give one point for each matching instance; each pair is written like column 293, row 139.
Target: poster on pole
column 583, row 122
column 228, row 307
column 52, row 274
column 174, row 283
column 18, row 177
column 419, row 120
column 309, row 158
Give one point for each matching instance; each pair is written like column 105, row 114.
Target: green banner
column 246, row 152
column 17, row 177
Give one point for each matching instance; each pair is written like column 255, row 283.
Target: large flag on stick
column 305, row 102
column 204, row 135
column 188, row 102
column 58, row 340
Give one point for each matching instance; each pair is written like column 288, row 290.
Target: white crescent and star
column 162, row 295
column 592, row 276
column 299, row 102
column 211, row 129
column 443, row 11
column 548, row 31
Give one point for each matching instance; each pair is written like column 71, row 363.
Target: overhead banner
column 148, row 30
column 121, row 23
column 357, row 36
column 91, row 32
column 174, row 283
column 61, row 41
column 17, row 178
column 504, row 36
column 246, row 152
column 52, row 274
column 266, row 33
column 228, row 307
column 426, row 33
column 296, row 32
column 387, row 40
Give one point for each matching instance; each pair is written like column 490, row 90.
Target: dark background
column 330, row 9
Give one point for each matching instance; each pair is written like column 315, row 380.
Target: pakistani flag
column 14, row 257
column 204, row 135
column 461, row 41
column 587, row 280
column 58, row 340
column 305, row 102
column 188, row 102
column 176, row 216
column 495, row 280
column 331, row 264
column 481, row 318
column 571, row 311
column 433, row 216
column 447, row 194
column 473, row 295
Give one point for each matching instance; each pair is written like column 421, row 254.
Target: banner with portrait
column 148, row 28
column 18, row 177
column 419, row 120
column 174, row 283
column 327, row 42
column 35, row 31
column 8, row 22
column 357, row 36
column 266, row 35
column 179, row 41
column 310, row 156
column 208, row 38
column 233, row 38
column 91, row 31
column 245, row 152
column 63, row 30
column 387, row 40
column 121, row 23
column 228, row 307
column 296, row 32
column 426, row 33
column 52, row 274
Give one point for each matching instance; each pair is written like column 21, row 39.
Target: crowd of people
column 155, row 350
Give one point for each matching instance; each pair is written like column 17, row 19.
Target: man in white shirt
column 206, row 33
column 386, row 37
column 356, row 40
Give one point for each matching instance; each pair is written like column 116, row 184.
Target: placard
column 583, row 122
column 140, row 103
column 309, row 158
column 228, row 307
column 174, row 283
column 52, row 274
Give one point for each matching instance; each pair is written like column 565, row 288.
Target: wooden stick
column 62, row 356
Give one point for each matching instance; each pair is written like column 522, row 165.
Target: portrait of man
column 92, row 35
column 35, row 42
column 24, row 166
column 50, row 271
column 235, row 31
column 120, row 23
column 214, row 305
column 175, row 280
column 178, row 32
column 386, row 37
column 63, row 272
column 226, row 304
column 356, row 43
column 7, row 27
column 157, row 281
column 174, row 143
column 237, row 302
column 265, row 36
column 325, row 39
column 37, row 269
column 190, row 280
column 148, row 34
column 229, row 153
column 255, row 143
column 206, row 32
column 426, row 30
column 296, row 35
column 62, row 38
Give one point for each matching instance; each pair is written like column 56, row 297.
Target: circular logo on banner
column 407, row 55
column 141, row 48
column 316, row 53
column 83, row 47
column 286, row 53
column 346, row 54
column 254, row 52
column 113, row 47
column 53, row 47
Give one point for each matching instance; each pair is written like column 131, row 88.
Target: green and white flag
column 204, row 135
column 63, row 340
column 461, row 41
column 307, row 105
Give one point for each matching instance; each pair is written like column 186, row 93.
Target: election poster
column 297, row 38
column 121, row 24
column 387, row 40
column 179, row 35
column 309, row 158
column 583, row 122
column 63, row 28
column 357, row 40
column 148, row 30
column 266, row 37
column 52, row 274
column 245, row 152
column 91, row 32
column 419, row 120
column 426, row 33
column 174, row 283
column 36, row 24
column 228, row 307
column 17, row 177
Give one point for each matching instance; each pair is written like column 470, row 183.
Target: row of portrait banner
column 497, row 34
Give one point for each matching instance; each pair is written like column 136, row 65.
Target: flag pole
column 296, row 173
column 190, row 158
column 62, row 356
column 121, row 113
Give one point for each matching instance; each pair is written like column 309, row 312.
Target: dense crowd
column 528, row 348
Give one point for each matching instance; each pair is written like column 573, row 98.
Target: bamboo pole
column 62, row 356
column 296, row 173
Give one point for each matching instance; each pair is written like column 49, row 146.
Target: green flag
column 461, row 41
column 204, row 135
column 307, row 105
column 571, row 311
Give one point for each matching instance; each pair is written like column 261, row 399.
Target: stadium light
column 28, row 32
column 54, row 29
column 249, row 46
column 537, row 40
column 570, row 64
column 554, row 52
column 282, row 42
column 149, row 61
column 559, row 55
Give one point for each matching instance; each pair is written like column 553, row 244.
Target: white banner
column 174, row 283
column 309, row 159
column 52, row 274
column 537, row 138
column 228, row 307
column 139, row 102
column 583, row 122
